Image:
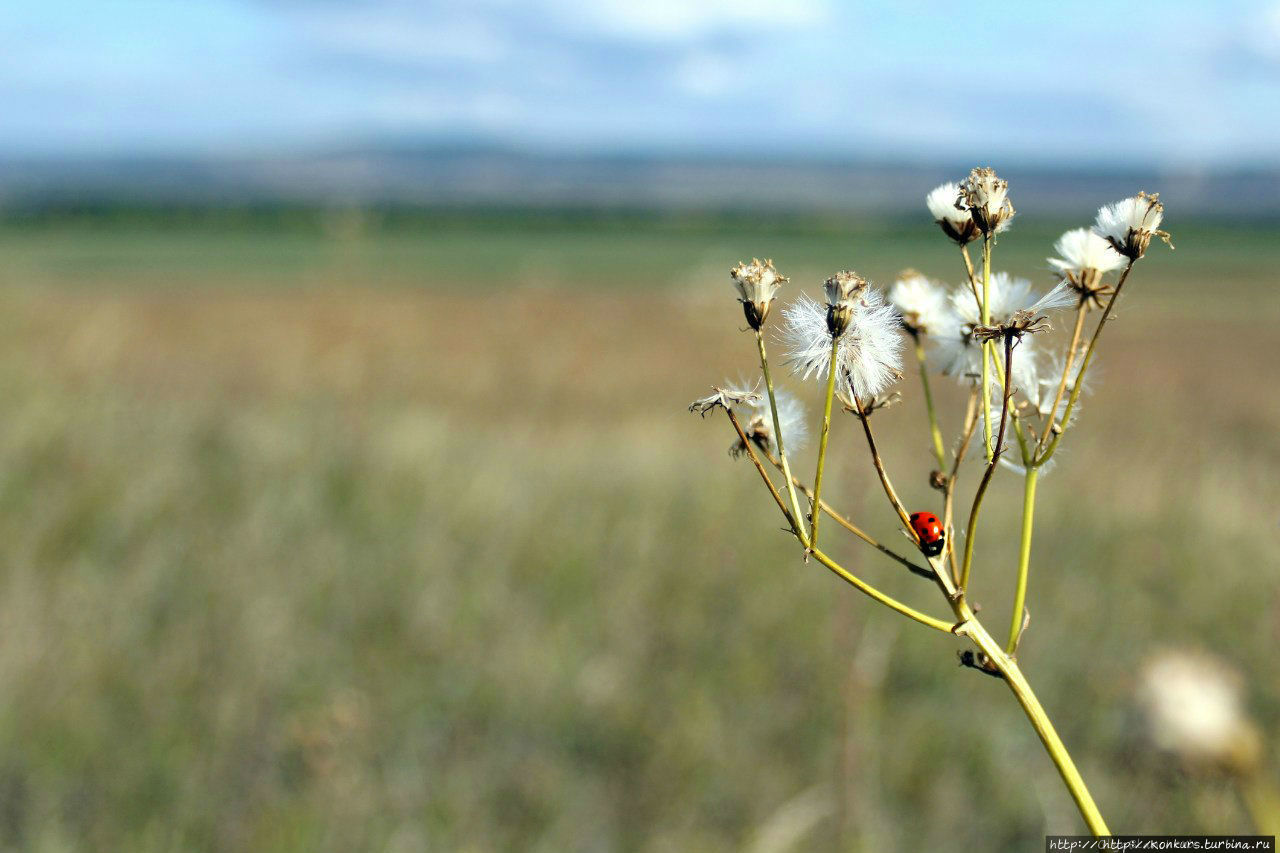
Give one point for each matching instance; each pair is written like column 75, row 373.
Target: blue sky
column 1170, row 83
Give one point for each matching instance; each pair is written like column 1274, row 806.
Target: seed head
column 757, row 423
column 758, row 284
column 868, row 357
column 1129, row 224
column 1193, row 709
column 1084, row 259
column 986, row 197
column 842, row 291
column 955, row 222
column 921, row 303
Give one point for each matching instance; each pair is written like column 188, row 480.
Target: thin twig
column 972, row 529
column 879, row 463
column 1069, row 362
column 859, row 584
column 822, row 441
column 777, row 430
column 970, row 424
column 853, row 528
column 1084, row 366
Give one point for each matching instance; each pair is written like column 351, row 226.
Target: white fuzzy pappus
column 922, row 304
column 1081, row 250
column 869, row 352
column 791, row 417
column 1129, row 224
column 941, row 201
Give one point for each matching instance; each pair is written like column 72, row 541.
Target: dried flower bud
column 955, row 222
column 1129, row 224
column 986, row 197
column 843, row 290
column 758, row 284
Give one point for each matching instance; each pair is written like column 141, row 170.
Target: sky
column 1130, row 84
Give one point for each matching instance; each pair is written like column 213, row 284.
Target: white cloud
column 688, row 20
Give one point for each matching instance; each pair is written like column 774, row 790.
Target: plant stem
column 853, row 580
column 1084, row 366
column 796, row 526
column 948, row 503
column 888, row 601
column 928, row 401
column 822, row 443
column 986, row 360
column 853, row 528
column 1035, row 712
column 1024, row 557
column 879, row 465
column 968, row 268
column 1069, row 362
column 972, row 529
column 777, row 432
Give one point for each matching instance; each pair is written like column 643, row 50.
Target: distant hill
column 461, row 176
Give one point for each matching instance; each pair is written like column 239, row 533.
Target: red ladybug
column 929, row 530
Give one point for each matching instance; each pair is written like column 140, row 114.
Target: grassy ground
column 396, row 539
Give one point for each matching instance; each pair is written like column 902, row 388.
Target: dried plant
column 987, row 335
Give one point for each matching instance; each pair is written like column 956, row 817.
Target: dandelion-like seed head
column 921, row 303
column 1013, row 309
column 868, row 357
column 758, row 284
column 1129, row 224
column 843, row 290
column 1193, row 708
column 1084, row 258
column 955, row 222
column 986, row 197
column 757, row 423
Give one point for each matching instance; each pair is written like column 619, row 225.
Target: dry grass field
column 362, row 538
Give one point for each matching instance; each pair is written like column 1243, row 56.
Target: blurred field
column 360, row 537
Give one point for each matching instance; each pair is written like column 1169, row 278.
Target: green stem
column 986, row 359
column 1084, row 366
column 1035, row 712
column 1024, row 557
column 822, row 444
column 777, row 434
column 971, row 531
column 928, row 401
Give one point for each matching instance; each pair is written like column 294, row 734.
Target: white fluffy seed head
column 1081, row 252
column 921, row 303
column 957, row 353
column 1129, row 224
column 869, row 354
column 944, row 205
column 1193, row 708
column 758, row 422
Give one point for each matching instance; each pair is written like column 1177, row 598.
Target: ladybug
column 929, row 531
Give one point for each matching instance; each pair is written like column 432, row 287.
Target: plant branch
column 777, row 430
column 928, row 402
column 972, row 529
column 822, row 443
column 1069, row 362
column 1084, row 366
column 1024, row 558
column 971, row 423
column 844, row 522
column 879, row 463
